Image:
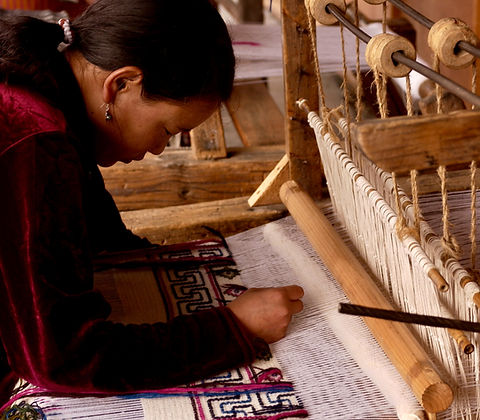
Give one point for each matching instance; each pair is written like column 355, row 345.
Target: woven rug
column 156, row 285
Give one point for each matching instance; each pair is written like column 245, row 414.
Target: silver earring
column 108, row 115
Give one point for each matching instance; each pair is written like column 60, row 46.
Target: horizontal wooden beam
column 176, row 178
column 185, row 223
column 457, row 180
column 400, row 144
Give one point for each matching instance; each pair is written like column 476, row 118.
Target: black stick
column 432, row 321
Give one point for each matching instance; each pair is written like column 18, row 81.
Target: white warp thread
column 399, row 273
column 351, row 331
column 327, row 378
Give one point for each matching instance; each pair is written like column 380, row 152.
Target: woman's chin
column 105, row 163
column 109, row 161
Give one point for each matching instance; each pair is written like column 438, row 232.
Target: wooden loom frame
column 302, row 160
column 298, row 166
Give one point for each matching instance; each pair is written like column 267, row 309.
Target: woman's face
column 139, row 126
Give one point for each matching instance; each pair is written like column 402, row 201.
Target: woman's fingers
column 267, row 312
column 296, row 306
column 294, row 292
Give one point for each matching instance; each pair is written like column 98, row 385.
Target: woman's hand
column 267, row 312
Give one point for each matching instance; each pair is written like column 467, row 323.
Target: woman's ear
column 122, row 79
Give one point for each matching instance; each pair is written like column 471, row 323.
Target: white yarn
column 326, row 377
column 399, row 272
column 471, row 289
column 352, row 332
column 376, row 200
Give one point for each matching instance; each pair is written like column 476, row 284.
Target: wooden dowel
column 462, row 340
column 396, row 339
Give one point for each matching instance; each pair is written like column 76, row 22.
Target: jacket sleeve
column 53, row 324
column 107, row 230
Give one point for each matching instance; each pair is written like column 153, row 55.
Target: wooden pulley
column 379, row 53
column 318, row 9
column 375, row 1
column 443, row 39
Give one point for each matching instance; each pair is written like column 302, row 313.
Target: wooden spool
column 379, row 53
column 318, row 9
column 375, row 1
column 443, row 39
column 396, row 339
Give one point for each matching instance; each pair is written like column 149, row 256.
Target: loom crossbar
column 397, row 341
column 400, row 144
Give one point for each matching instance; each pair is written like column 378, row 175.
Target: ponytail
column 29, row 54
column 182, row 47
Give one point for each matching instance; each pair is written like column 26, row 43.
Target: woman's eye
column 168, row 132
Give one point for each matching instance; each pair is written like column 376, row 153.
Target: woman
column 133, row 74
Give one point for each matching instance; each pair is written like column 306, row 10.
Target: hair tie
column 67, row 31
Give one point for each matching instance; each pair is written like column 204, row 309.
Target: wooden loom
column 415, row 137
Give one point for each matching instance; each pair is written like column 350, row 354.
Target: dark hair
column 182, row 46
column 29, row 55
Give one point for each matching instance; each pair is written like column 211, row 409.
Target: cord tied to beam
column 451, row 247
column 444, row 37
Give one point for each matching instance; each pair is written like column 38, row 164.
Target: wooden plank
column 185, row 223
column 457, row 180
column 256, row 116
column 267, row 192
column 300, row 82
column 424, row 142
column 208, row 139
column 174, row 178
column 428, row 101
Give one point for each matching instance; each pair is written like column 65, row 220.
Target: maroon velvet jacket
column 55, row 214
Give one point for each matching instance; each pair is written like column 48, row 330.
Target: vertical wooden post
column 251, row 10
column 300, row 82
column 476, row 29
column 208, row 139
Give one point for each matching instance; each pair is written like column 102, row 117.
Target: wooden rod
column 399, row 344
